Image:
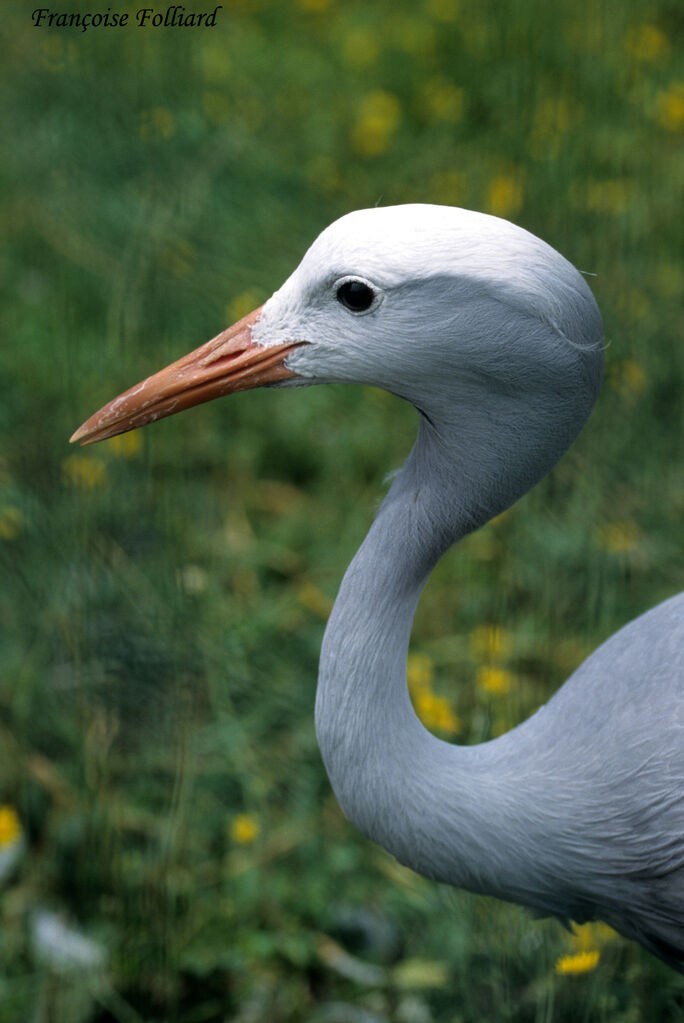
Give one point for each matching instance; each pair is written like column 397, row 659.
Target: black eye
column 355, row 295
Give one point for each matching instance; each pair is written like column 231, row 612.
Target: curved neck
column 423, row 799
column 457, row 814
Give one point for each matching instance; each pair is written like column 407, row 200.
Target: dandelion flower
column 244, row 828
column 613, row 196
column 11, row 840
column 494, row 680
column 10, row 826
column 669, row 279
column 360, row 47
column 504, row 195
column 443, row 101
column 126, row 445
column 444, row 10
column 670, row 107
column 378, row 119
column 619, row 537
column 11, row 522
column 215, row 61
column 435, row 712
column 84, row 471
column 313, row 599
column 413, row 35
column 420, row 671
column 241, row 305
column 489, row 642
column 553, row 117
column 578, row 962
column 629, row 378
column 586, row 937
column 647, row 44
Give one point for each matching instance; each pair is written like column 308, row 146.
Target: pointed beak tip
column 84, row 435
column 227, row 363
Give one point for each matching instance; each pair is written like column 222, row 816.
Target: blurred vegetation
column 169, row 846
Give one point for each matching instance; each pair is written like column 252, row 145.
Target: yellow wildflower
column 629, row 378
column 84, row 471
column 489, row 642
column 494, row 680
column 444, row 10
column 313, row 599
column 155, row 124
column 612, row 196
column 244, row 828
column 670, row 107
column 553, row 115
column 10, row 826
column 242, row 304
column 578, row 962
column 442, row 100
column 413, row 35
column 647, row 43
column 435, row 711
column 669, row 280
column 216, row 62
column 126, row 445
column 619, row 537
column 585, row 937
column 420, row 671
column 322, row 171
column 552, row 119
column 280, row 499
column 11, row 522
column 504, row 194
column 378, row 118
column 360, row 47
column 636, row 304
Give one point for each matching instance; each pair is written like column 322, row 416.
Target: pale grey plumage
column 496, row 339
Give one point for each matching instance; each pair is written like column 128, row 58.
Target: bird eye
column 356, row 296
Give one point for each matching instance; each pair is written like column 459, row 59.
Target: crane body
column 497, row 341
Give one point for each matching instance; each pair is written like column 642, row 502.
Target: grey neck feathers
column 448, row 812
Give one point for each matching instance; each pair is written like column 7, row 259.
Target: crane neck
column 391, row 775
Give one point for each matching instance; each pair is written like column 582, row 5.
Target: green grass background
column 162, row 608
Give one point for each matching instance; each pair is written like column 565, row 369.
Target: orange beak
column 229, row 362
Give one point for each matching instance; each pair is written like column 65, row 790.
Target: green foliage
column 162, row 600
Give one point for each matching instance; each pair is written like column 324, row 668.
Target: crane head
column 447, row 308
